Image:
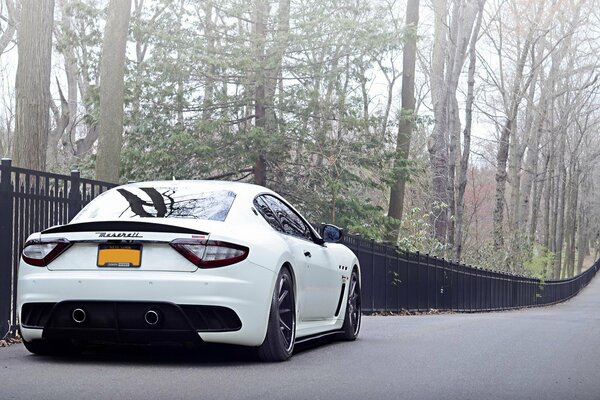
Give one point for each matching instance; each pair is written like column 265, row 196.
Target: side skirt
column 317, row 336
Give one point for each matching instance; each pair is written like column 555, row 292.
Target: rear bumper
column 245, row 288
column 127, row 322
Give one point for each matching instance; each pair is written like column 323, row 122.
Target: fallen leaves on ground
column 403, row 312
column 9, row 341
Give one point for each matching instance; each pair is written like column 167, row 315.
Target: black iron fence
column 31, row 201
column 395, row 281
column 392, row 280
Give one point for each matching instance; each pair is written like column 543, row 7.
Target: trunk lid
column 123, row 246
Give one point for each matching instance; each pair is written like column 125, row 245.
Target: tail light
column 210, row 254
column 42, row 252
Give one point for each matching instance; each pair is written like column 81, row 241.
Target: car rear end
column 143, row 280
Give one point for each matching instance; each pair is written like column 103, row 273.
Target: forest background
column 461, row 128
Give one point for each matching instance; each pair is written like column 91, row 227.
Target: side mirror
column 331, row 233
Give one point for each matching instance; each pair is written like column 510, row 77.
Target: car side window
column 290, row 222
column 267, row 213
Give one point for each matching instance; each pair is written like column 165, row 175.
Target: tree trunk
column 547, row 201
column 539, row 186
column 33, row 84
column 570, row 222
column 466, row 150
column 180, row 95
column 260, row 28
column 514, row 180
column 554, row 206
column 463, row 18
column 65, row 116
column 112, row 87
column 209, row 85
column 521, row 179
column 501, row 159
column 504, row 143
column 452, row 34
column 453, row 154
column 560, row 208
column 575, row 204
column 141, row 46
column 407, row 119
column 582, row 237
column 548, row 210
column 268, row 74
column 529, row 187
column 276, row 52
column 61, row 120
column 437, row 144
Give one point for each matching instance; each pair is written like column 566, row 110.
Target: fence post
column 418, row 280
column 385, row 274
column 373, row 275
column 6, row 244
column 74, row 195
column 427, row 283
column 407, row 286
column 473, row 282
column 435, row 274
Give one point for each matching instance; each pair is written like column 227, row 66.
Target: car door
column 318, row 277
column 324, row 282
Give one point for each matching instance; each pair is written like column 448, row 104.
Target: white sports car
column 187, row 262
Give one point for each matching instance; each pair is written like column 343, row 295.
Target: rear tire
column 352, row 316
column 281, row 329
column 44, row 347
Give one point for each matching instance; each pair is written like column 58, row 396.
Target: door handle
column 307, row 254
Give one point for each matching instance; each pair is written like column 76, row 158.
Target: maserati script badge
column 119, row 234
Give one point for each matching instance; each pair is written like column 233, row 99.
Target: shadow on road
column 207, row 354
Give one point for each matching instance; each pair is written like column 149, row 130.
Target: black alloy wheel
column 352, row 317
column 286, row 311
column 281, row 329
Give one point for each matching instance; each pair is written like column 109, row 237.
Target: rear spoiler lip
column 122, row 226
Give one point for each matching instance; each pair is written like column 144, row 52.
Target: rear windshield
column 159, row 202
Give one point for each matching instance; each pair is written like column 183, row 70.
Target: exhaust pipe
column 78, row 315
column 151, row 317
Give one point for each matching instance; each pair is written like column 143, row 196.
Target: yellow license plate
column 119, row 255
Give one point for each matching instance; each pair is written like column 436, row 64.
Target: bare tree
column 452, row 35
column 466, row 149
column 9, row 29
column 64, row 113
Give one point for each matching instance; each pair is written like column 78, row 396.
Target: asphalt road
column 544, row 353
